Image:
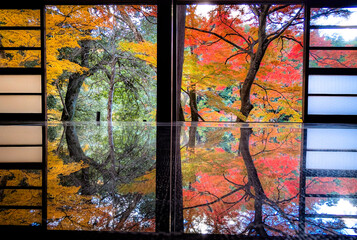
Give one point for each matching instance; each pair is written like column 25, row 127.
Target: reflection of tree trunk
column 2, row 52
column 111, row 155
column 192, row 138
column 177, row 209
column 253, row 180
column 77, row 154
column 73, row 145
column 126, row 214
column 3, row 181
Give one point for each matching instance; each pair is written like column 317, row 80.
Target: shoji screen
column 22, row 83
column 331, row 69
column 328, row 177
column 23, row 175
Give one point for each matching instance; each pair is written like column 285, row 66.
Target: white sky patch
column 343, row 207
column 203, row 9
column 346, row 34
column 331, row 20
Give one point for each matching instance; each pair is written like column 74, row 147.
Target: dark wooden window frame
column 305, row 173
column 40, row 166
column 11, row 117
column 167, row 103
column 309, row 118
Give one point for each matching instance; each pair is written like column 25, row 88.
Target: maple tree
column 95, row 183
column 244, row 62
column 247, row 181
column 85, row 60
column 99, row 178
column 260, row 47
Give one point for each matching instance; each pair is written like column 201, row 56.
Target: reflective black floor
column 207, row 180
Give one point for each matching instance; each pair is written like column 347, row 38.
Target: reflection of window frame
column 308, row 173
column 38, row 140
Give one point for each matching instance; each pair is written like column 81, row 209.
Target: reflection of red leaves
column 219, row 150
column 187, row 109
column 326, row 185
column 220, row 88
column 276, row 157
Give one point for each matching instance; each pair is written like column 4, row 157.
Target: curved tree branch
column 220, row 37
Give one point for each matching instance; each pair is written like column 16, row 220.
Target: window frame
column 167, row 103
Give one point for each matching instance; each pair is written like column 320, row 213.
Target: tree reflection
column 110, row 181
column 249, row 189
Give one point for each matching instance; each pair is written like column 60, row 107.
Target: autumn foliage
column 221, row 46
column 220, row 192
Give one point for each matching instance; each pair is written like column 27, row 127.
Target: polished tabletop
column 198, row 180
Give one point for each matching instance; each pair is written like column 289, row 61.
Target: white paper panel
column 20, row 154
column 20, row 104
column 339, row 139
column 331, row 160
column 332, row 19
column 318, row 105
column 20, row 135
column 332, row 84
column 322, row 37
column 20, row 83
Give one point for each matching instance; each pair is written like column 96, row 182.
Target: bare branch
column 271, row 37
column 288, row 37
column 217, row 200
column 220, row 37
column 279, row 7
column 236, row 54
column 274, row 90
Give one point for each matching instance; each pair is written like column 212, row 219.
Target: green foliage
column 92, row 51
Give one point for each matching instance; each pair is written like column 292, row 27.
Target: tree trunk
column 75, row 83
column 126, row 18
column 74, row 86
column 253, row 180
column 110, row 102
column 256, row 59
column 246, row 105
column 180, row 111
column 193, row 104
column 111, row 77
